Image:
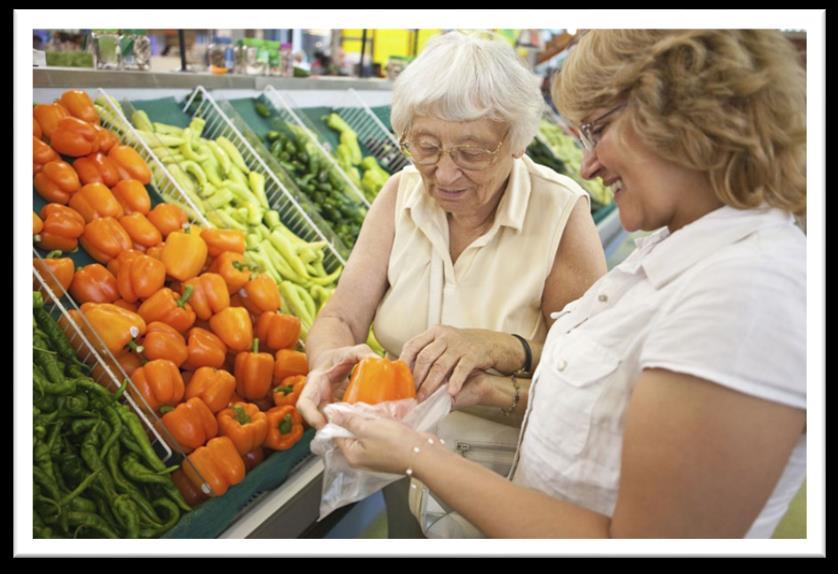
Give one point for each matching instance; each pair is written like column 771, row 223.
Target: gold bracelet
column 508, row 411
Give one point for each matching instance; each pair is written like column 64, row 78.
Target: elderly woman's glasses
column 424, row 150
column 591, row 132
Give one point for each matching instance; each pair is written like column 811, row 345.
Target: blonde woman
column 464, row 255
column 670, row 399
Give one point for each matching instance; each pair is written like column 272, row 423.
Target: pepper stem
column 240, row 415
column 255, row 345
column 187, row 293
column 286, row 424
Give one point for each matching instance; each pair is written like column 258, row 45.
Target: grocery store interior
column 289, row 107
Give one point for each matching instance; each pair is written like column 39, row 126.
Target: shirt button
column 603, row 298
column 562, row 365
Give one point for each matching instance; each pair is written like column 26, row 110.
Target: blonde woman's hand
column 381, row 444
column 326, row 383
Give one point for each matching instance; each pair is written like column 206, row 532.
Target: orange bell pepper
column 42, row 154
column 184, row 255
column 245, row 424
column 214, row 386
column 191, row 423
column 55, row 270
column 57, row 181
column 133, row 307
column 205, row 349
column 104, row 239
column 221, row 240
column 231, row 266
column 74, row 137
column 133, row 197
column 289, row 390
column 48, row 116
column 209, row 295
column 138, row 276
column 219, row 463
column 78, row 103
column 254, row 373
column 130, row 164
column 62, row 227
column 95, row 200
column 169, row 307
column 36, row 128
column 375, row 380
column 162, row 341
column 160, row 383
column 233, row 326
column 141, row 231
column 96, row 168
column 94, row 284
column 106, row 139
column 289, row 363
column 261, row 294
column 167, row 217
column 285, row 428
column 116, row 326
column 277, row 330
column 37, row 225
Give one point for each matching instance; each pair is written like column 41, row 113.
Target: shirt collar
column 511, row 210
column 679, row 251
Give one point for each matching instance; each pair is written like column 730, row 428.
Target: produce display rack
column 91, row 350
column 302, row 222
column 375, row 136
column 284, row 107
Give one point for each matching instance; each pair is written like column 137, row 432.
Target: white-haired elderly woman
column 464, row 255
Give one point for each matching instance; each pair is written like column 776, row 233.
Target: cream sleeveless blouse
column 497, row 282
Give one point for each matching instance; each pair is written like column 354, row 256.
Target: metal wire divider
column 293, row 215
column 285, row 106
column 375, row 136
column 164, row 183
column 58, row 302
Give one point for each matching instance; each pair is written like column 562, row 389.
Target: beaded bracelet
column 417, row 450
column 511, row 409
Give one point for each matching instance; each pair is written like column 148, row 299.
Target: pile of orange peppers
column 199, row 333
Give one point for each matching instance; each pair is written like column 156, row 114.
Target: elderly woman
column 670, row 400
column 463, row 256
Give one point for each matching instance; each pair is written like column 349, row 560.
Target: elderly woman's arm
column 699, row 460
column 337, row 339
column 444, row 352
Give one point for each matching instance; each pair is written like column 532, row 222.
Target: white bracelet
column 417, row 450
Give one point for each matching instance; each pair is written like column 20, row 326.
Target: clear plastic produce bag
column 343, row 484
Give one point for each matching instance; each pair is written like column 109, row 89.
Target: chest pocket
column 573, row 383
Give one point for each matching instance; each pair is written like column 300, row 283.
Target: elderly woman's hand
column 380, row 444
column 446, row 353
column 324, row 384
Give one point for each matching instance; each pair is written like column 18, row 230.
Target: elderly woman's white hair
column 467, row 76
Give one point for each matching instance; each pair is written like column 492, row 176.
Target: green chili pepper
column 126, row 487
column 173, row 517
column 55, row 334
column 116, row 425
column 82, row 504
column 137, row 472
column 126, row 512
column 46, row 359
column 91, row 521
column 136, row 431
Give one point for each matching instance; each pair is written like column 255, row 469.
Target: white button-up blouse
column 723, row 298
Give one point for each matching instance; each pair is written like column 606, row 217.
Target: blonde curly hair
column 731, row 103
